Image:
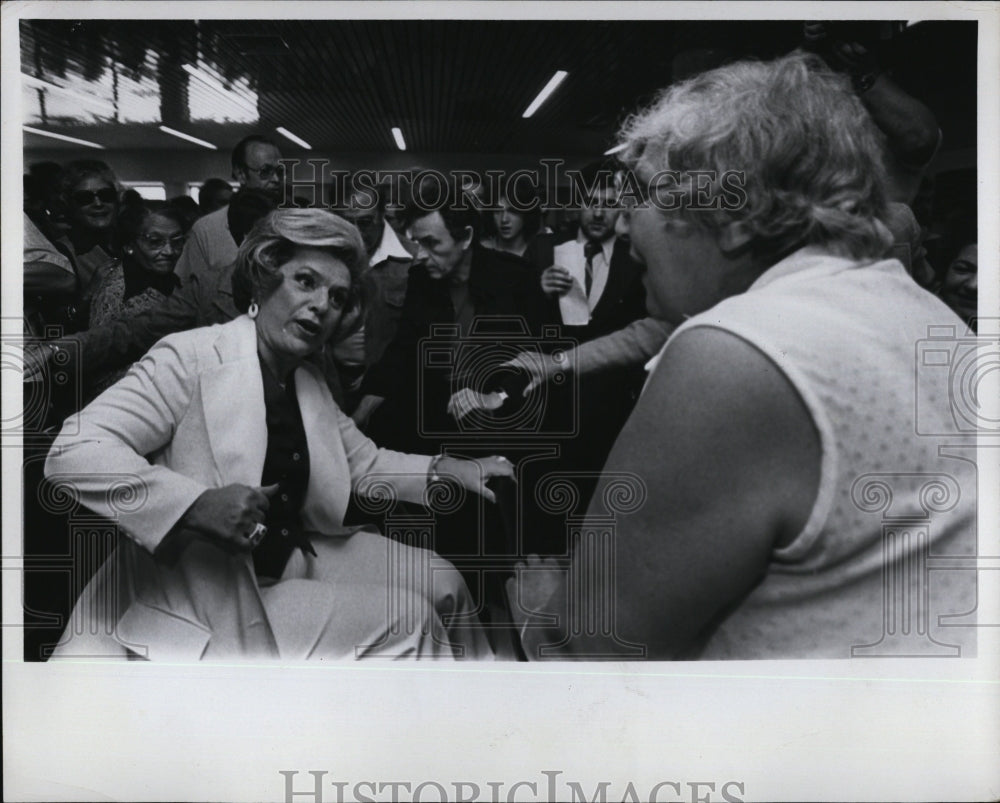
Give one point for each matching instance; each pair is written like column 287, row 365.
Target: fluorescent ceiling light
column 188, row 137
column 219, row 87
column 79, row 97
column 615, row 149
column 297, row 140
column 63, row 137
column 398, row 136
column 543, row 96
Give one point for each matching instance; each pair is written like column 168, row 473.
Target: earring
column 252, row 310
column 129, row 250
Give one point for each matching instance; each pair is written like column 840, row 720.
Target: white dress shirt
column 575, row 306
column 389, row 247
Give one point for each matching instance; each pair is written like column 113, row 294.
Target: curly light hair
column 809, row 154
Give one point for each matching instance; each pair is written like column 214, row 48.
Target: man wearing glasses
column 210, row 246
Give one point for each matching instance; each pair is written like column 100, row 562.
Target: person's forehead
column 601, row 195
column 970, row 253
column 260, row 153
column 330, row 269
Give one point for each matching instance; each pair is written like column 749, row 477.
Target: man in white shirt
column 210, row 245
column 599, row 286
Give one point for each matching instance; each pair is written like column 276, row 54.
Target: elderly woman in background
column 243, row 464
column 777, row 426
column 144, row 278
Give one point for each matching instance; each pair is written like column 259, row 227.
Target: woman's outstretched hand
column 231, row 513
column 474, row 474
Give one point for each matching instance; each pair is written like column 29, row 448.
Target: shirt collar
column 607, row 247
column 389, row 247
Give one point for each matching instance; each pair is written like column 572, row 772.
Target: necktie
column 590, row 250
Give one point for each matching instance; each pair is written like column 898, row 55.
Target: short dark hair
column 211, row 187
column 340, row 194
column 599, row 175
column 434, row 192
column 526, row 195
column 246, row 207
column 239, row 157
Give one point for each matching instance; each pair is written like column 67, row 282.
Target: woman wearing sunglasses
column 152, row 242
column 89, row 193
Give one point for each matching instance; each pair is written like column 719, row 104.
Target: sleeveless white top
column 882, row 567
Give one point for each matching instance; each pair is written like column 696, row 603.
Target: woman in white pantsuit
column 240, row 465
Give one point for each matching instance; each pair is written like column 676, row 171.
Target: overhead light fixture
column 63, row 137
column 218, row 86
column 188, row 137
column 297, row 140
column 547, row 90
column 79, row 97
column 616, row 149
column 397, row 135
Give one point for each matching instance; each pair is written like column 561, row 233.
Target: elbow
column 918, row 144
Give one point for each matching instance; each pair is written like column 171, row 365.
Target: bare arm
column 730, row 460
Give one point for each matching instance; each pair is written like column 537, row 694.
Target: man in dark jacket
column 463, row 304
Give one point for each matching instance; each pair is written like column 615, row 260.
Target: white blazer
column 188, row 417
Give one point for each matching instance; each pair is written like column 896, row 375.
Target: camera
column 450, row 362
column 953, row 374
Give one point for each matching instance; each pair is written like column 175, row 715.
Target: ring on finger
column 256, row 535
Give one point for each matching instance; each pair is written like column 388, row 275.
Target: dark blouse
column 286, row 463
column 138, row 280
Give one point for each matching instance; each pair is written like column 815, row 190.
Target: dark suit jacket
column 623, row 299
column 501, row 285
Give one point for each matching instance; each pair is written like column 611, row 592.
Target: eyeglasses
column 87, row 197
column 157, row 243
column 266, row 172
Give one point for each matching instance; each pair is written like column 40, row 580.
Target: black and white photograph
column 501, row 401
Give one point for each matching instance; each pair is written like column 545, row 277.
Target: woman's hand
column 231, row 513
column 474, row 474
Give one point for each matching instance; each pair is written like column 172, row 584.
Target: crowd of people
column 258, row 369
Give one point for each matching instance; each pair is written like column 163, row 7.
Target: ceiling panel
column 451, row 86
